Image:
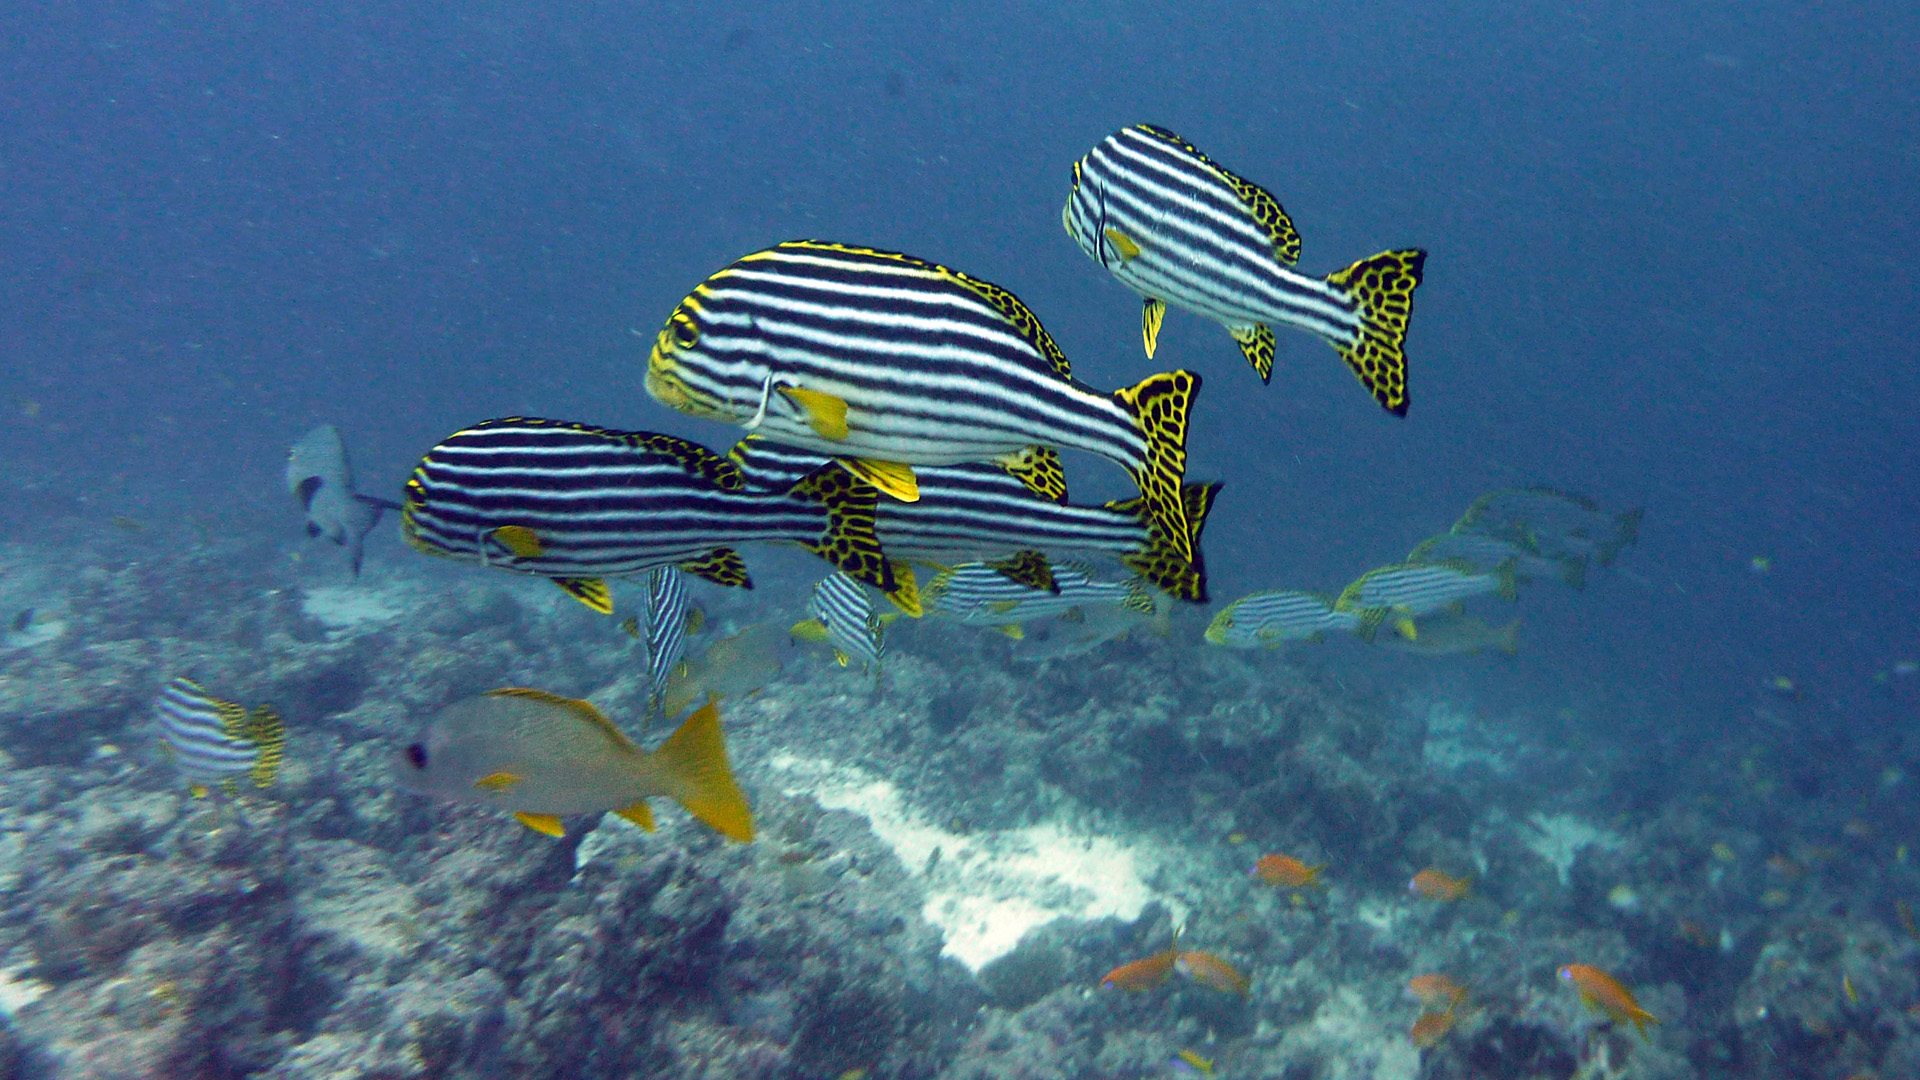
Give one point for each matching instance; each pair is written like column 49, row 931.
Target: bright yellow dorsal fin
column 1152, row 314
column 520, row 540
column 639, row 813
column 892, row 477
column 547, row 824
column 497, row 782
column 826, row 414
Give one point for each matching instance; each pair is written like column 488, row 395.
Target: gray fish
column 321, row 477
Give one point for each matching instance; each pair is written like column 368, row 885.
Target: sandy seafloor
column 944, row 870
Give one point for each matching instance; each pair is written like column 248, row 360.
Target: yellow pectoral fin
column 809, row 630
column 892, row 477
column 541, row 823
column 826, row 414
column 1151, row 315
column 639, row 814
column 496, row 783
column 1013, row 630
column 520, row 540
column 1123, row 245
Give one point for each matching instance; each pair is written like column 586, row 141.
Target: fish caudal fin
column 849, row 541
column 906, row 592
column 1160, row 405
column 1381, row 288
column 1160, row 560
column 269, row 737
column 694, row 761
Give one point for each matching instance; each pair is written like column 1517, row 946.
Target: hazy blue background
column 1673, row 265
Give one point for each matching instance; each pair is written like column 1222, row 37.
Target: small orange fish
column 1210, row 971
column 1439, row 885
column 1286, row 871
column 1601, row 991
column 1145, row 974
column 1431, row 1028
column 1436, row 991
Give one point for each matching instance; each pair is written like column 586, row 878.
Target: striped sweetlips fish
column 1177, row 228
column 1408, row 590
column 888, row 362
column 979, row 513
column 578, row 504
column 853, row 629
column 216, row 742
column 1272, row 617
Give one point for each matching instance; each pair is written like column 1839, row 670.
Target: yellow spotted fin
column 722, row 566
column 1256, row 343
column 269, row 736
column 1160, row 560
column 1029, row 568
column 849, row 541
column 826, row 414
column 1160, row 405
column 1381, row 290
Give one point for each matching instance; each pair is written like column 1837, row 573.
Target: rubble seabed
column 945, row 867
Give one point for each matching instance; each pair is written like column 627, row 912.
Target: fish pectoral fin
column 520, row 540
column 1029, row 568
column 825, row 413
column 722, row 566
column 592, row 592
column 1012, row 630
column 546, row 824
column 1152, row 313
column 1039, row 468
column 1123, row 245
column 812, row 630
column 639, row 814
column 1256, row 344
column 495, row 783
column 892, row 477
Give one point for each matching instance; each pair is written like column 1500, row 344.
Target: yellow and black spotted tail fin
column 269, row 737
column 694, row 760
column 1160, row 561
column 1160, row 405
column 849, row 541
column 1381, row 288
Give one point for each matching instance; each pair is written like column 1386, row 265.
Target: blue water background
column 1672, row 267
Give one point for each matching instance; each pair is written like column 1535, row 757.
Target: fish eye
column 684, row 332
column 417, row 755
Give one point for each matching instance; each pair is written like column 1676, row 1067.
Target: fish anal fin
column 1029, row 568
column 826, row 414
column 638, row 813
column 546, row 824
column 722, row 566
column 1161, row 404
column 906, row 591
column 694, row 759
column 1381, row 290
column 1152, row 313
column 1012, row 630
column 592, row 592
column 1039, row 468
column 891, row 477
column 1256, row 344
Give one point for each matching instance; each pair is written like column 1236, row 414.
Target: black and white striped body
column 1273, row 617
column 594, row 502
column 979, row 595
column 845, row 608
column 665, row 628
column 1172, row 225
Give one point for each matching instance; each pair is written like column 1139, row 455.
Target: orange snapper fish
column 1439, row 885
column 1430, row 1028
column 1212, row 972
column 1436, row 991
column 1147, row 973
column 1602, row 992
column 1286, row 871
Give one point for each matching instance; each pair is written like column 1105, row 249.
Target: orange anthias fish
column 1601, row 991
column 1430, row 1028
column 1145, row 974
column 1286, row 871
column 1210, row 971
column 1436, row 991
column 1439, row 885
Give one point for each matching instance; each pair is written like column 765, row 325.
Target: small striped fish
column 979, row 595
column 1179, row 229
column 1274, row 617
column 979, row 513
column 1409, row 590
column 667, row 613
column 1488, row 552
column 853, row 628
column 575, row 504
column 889, row 362
column 216, row 742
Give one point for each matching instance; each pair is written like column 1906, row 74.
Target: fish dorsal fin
column 582, row 709
column 1028, row 568
column 520, row 540
column 1259, row 202
column 1152, row 313
column 639, row 813
column 545, row 824
column 895, row 478
column 592, row 592
column 826, row 414
column 1256, row 344
column 1039, row 468
column 1022, row 317
column 689, row 455
column 722, row 566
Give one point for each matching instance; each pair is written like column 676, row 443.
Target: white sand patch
column 345, row 607
column 19, row 990
column 986, row 889
column 1560, row 838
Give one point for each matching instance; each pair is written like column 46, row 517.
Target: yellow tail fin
column 1160, row 561
column 694, row 759
column 849, row 541
column 1160, row 404
column 1381, row 287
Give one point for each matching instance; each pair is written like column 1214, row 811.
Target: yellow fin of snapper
column 639, row 814
column 906, row 591
column 590, row 591
column 826, row 414
column 541, row 823
column 1013, row 630
column 1407, row 629
column 812, row 630
column 497, row 782
column 1124, row 245
column 520, row 540
column 891, row 477
column 1152, row 314
column 696, row 758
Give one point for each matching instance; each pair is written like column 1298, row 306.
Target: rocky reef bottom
column 948, row 861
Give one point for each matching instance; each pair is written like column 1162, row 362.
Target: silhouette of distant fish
column 321, row 477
